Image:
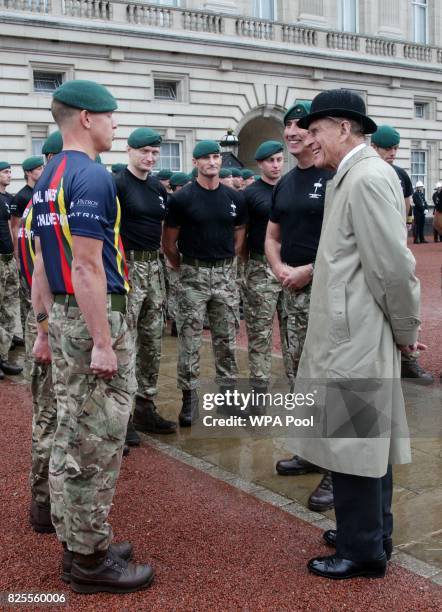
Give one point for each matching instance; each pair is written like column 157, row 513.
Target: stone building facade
column 194, row 69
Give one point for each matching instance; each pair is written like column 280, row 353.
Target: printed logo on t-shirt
column 233, row 211
column 161, row 201
column 316, row 195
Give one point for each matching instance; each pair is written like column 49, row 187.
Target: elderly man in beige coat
column 364, row 310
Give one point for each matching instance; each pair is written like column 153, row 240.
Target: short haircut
column 356, row 127
column 62, row 113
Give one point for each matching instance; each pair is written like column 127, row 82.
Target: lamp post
column 230, row 145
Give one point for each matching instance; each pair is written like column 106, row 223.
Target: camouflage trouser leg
column 98, row 415
column 44, row 419
column 145, row 318
column 8, row 302
column 213, row 289
column 172, row 298
column 295, row 306
column 263, row 298
column 57, row 462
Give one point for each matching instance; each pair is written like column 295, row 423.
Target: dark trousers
column 363, row 515
column 419, row 225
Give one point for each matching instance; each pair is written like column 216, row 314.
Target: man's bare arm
column 41, row 302
column 15, row 224
column 240, row 242
column 169, row 243
column 90, row 288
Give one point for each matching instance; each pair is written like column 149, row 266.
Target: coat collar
column 364, row 153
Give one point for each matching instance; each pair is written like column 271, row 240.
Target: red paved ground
column 429, row 262
column 214, row 547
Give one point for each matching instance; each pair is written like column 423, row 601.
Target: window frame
column 159, row 166
column 67, row 70
column 341, row 13
column 36, row 131
column 416, row 6
column 182, row 86
column 419, row 176
column 258, row 3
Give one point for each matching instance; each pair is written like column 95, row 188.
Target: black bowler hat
column 339, row 103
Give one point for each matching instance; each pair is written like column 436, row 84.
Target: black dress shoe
column 295, row 467
column 340, row 569
column 330, row 539
column 10, row 368
column 322, row 497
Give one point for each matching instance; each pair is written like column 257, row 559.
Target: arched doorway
column 255, row 128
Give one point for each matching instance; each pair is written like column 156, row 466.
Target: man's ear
column 85, row 119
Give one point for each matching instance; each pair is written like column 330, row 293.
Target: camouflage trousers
column 44, row 417
column 295, row 310
column 91, row 428
column 145, row 319
column 212, row 290
column 263, row 296
column 172, row 296
column 9, row 303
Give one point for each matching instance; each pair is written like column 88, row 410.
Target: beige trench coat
column 365, row 300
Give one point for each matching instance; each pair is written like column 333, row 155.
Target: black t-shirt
column 298, row 207
column 258, row 198
column 20, row 201
column 143, row 208
column 6, row 246
column 207, row 220
column 406, row 184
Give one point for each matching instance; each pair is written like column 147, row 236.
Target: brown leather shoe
column 40, row 518
column 105, row 572
column 322, row 497
column 124, row 550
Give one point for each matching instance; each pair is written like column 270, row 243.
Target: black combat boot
column 410, row 368
column 12, row 369
column 258, row 405
column 146, row 418
column 174, row 330
column 40, row 517
column 124, row 550
column 105, row 572
column 189, row 410
column 132, row 438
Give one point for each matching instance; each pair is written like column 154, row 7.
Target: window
column 264, row 9
column 165, row 90
column 170, row 157
column 418, row 166
column 348, row 15
column 47, row 82
column 420, row 21
column 165, row 2
column 37, row 145
column 421, row 110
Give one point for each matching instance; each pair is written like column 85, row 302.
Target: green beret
column 164, row 174
column 4, row 165
column 206, row 147
column 246, row 173
column 144, row 137
column 115, row 168
column 267, row 149
column 194, row 172
column 98, row 159
column 385, row 137
column 179, row 178
column 53, row 144
column 86, row 95
column 300, row 109
column 225, row 173
column 257, row 177
column 33, row 162
column 236, row 172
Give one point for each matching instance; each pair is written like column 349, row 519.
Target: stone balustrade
column 137, row 12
